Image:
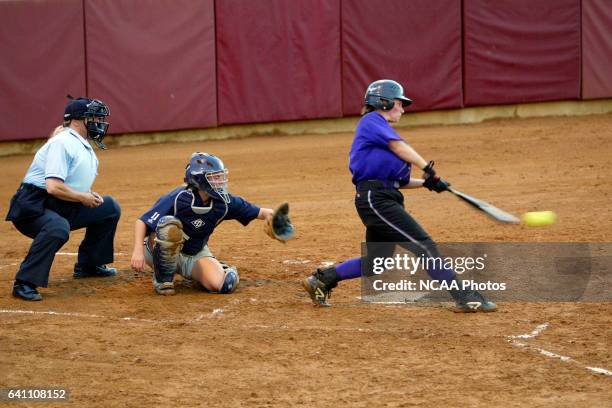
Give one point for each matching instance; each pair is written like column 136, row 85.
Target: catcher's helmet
column 85, row 108
column 208, row 173
column 382, row 93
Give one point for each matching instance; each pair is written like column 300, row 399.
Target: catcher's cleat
column 163, row 288
column 471, row 301
column 319, row 293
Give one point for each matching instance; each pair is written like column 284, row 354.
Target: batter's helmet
column 208, row 173
column 381, row 94
column 85, row 108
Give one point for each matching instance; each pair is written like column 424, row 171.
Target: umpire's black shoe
column 86, row 271
column 26, row 291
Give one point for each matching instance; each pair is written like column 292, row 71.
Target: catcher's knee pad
column 168, row 244
column 230, row 279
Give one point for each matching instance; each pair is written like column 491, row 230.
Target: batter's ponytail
column 367, row 109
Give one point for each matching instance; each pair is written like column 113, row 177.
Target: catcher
column 176, row 230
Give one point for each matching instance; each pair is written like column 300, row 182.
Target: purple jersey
column 370, row 157
column 199, row 221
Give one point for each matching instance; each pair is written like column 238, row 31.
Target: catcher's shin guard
column 320, row 284
column 168, row 244
column 230, row 279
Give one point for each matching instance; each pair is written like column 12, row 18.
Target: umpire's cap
column 79, row 108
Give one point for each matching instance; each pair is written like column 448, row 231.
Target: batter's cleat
column 471, row 301
column 85, row 271
column 164, row 288
column 318, row 291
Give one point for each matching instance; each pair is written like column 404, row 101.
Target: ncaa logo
column 197, row 223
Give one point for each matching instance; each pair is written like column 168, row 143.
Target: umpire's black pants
column 49, row 224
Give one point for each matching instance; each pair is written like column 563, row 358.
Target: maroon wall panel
column 278, row 60
column 596, row 49
column 153, row 62
column 42, row 56
column 521, row 51
column 417, row 43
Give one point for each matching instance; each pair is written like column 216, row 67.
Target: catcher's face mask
column 218, row 182
column 208, row 173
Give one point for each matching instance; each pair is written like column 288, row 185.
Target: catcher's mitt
column 278, row 225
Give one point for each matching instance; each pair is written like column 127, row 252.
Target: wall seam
column 341, row 48
column 85, row 48
column 463, row 81
column 216, row 62
column 580, row 53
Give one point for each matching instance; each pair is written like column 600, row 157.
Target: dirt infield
column 113, row 342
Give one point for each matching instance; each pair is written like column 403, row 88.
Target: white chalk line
column 6, row 266
column 600, row 370
column 60, row 254
column 322, row 264
column 296, row 261
column 535, row 333
column 82, row 315
column 311, row 328
column 217, row 312
column 214, row 313
column 76, row 253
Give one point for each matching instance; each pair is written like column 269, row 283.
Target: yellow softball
column 539, row 218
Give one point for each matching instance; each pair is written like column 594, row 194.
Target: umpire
column 55, row 198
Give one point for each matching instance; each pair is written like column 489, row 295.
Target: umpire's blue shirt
column 66, row 156
column 370, row 157
column 198, row 221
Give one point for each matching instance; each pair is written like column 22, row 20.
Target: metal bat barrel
column 494, row 212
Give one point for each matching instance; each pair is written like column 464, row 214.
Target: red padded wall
column 153, row 62
column 596, row 49
column 43, row 59
column 278, row 59
column 521, row 51
column 417, row 43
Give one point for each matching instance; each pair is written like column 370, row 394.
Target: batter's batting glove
column 432, row 181
column 278, row 225
column 428, row 170
column 436, row 184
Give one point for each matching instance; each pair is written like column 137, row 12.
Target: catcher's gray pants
column 184, row 263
